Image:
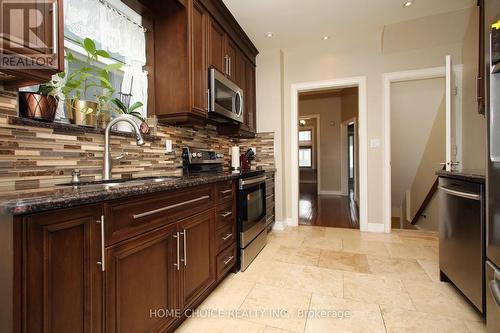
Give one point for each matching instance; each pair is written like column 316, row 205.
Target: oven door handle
column 252, row 181
column 466, row 195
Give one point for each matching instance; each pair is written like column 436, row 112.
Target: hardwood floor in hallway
column 326, row 211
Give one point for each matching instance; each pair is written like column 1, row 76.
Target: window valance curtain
column 114, row 33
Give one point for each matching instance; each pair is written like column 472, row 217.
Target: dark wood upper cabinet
column 250, row 97
column 199, row 54
column 231, row 52
column 141, row 282
column 218, row 57
column 47, row 49
column 198, row 256
column 62, row 280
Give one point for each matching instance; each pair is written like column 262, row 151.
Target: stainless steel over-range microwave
column 225, row 98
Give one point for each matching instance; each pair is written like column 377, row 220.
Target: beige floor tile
column 351, row 316
column 476, row 326
column 431, row 267
column 370, row 288
column 300, row 256
column 399, row 320
column 219, row 325
column 439, row 298
column 343, row 261
column 342, row 233
column 414, row 251
column 404, row 269
column 364, row 247
column 270, row 329
column 286, row 238
column 288, row 302
column 229, row 295
column 310, row 231
column 265, row 272
column 355, row 234
column 323, row 243
column 269, row 251
column 315, row 280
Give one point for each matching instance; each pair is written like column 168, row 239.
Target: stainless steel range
column 251, row 201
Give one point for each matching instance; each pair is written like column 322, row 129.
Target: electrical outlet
column 168, row 146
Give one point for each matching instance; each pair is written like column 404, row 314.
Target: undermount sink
column 116, row 182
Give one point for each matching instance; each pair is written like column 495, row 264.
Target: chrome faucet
column 106, row 172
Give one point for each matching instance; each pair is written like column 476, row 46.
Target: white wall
column 414, row 108
column 330, row 61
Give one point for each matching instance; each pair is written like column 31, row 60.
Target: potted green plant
column 42, row 105
column 130, row 112
column 79, row 81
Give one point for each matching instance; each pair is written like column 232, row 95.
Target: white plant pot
column 126, row 127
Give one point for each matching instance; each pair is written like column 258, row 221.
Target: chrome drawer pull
column 180, row 204
column 228, row 260
column 184, row 236
column 465, row 195
column 103, row 255
column 227, row 237
column 226, row 214
column 226, row 191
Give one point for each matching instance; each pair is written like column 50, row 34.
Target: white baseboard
column 375, row 227
column 321, row 192
column 291, row 223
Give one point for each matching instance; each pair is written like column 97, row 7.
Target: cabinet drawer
column 225, row 236
column 226, row 260
column 132, row 216
column 225, row 191
column 225, row 215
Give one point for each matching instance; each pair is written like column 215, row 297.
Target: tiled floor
column 319, row 279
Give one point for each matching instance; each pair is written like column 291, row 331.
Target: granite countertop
column 56, row 197
column 476, row 176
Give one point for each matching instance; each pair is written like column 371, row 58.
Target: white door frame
column 345, row 156
column 412, row 75
column 317, row 146
column 297, row 88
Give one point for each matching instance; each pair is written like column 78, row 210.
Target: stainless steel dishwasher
column 461, row 237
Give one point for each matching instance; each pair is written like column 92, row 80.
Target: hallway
column 326, row 211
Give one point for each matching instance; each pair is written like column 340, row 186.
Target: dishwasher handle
column 466, row 195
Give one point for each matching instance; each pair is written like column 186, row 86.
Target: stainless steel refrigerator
column 492, row 82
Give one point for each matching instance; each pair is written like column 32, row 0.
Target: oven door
column 252, row 208
column 226, row 98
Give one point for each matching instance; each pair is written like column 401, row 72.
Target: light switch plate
column 168, row 146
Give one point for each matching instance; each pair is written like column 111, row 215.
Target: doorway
column 327, row 138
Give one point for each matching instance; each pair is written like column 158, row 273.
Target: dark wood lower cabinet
column 142, row 282
column 61, row 280
column 198, row 256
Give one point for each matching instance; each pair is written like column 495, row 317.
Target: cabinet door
column 199, row 25
column 142, row 282
column 45, row 44
column 240, row 70
column 231, row 51
column 250, row 97
column 62, row 284
column 217, row 48
column 198, row 255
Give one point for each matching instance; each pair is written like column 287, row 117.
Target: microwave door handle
column 239, row 97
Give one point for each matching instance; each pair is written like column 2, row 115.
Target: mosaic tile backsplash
column 33, row 157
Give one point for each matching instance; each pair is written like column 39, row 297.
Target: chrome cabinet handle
column 460, row 194
column 208, row 99
column 226, row 214
column 180, row 204
column 178, row 264
column 103, row 258
column 229, row 67
column 226, row 191
column 226, row 64
column 227, row 237
column 228, row 260
column 184, row 237
column 251, row 181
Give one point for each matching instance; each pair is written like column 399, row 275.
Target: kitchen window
column 305, row 157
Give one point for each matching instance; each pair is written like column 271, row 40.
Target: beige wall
column 329, row 108
column 330, row 62
column 415, row 106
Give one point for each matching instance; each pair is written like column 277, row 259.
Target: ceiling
column 298, row 23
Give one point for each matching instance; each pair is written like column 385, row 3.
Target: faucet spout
column 106, row 172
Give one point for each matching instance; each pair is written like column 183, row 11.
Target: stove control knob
column 198, row 155
column 193, row 154
column 220, row 155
